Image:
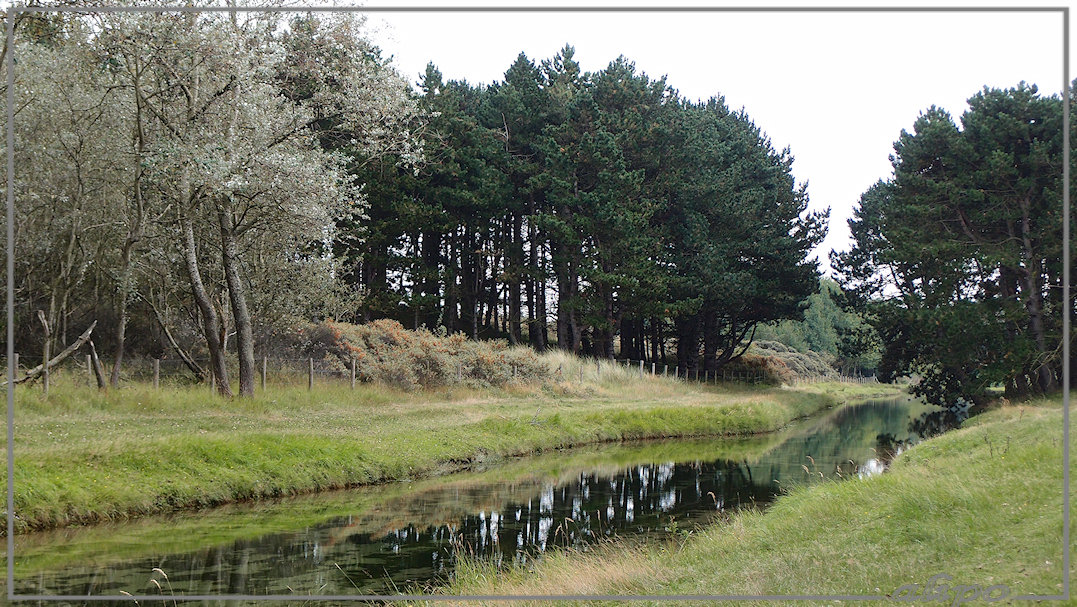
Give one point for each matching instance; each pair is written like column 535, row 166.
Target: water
column 405, row 537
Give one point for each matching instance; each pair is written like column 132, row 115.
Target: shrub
column 386, row 352
column 772, row 369
column 787, row 363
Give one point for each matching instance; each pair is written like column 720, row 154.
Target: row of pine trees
column 601, row 213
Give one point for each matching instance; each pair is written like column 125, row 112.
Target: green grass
column 388, row 506
column 982, row 504
column 82, row 456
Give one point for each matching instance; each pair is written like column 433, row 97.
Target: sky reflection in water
column 405, row 536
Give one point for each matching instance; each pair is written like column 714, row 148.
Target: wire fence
column 171, row 371
column 707, row 376
column 312, row 371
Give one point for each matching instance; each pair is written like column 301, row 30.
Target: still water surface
column 405, row 537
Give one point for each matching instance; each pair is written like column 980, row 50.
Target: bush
column 772, row 369
column 787, row 363
column 386, row 352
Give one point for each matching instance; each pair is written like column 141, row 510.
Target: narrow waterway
column 405, row 537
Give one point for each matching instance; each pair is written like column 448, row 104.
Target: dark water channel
column 405, row 537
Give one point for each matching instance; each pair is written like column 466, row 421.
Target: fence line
column 295, row 370
column 739, row 376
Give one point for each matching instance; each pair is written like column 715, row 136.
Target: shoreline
column 981, row 504
column 302, row 443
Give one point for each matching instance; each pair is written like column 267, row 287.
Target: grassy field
column 83, row 456
column 982, row 504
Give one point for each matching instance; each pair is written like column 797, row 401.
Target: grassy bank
column 422, row 503
column 982, row 504
column 84, row 456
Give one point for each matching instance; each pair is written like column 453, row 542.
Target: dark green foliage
column 739, row 235
column 957, row 254
column 639, row 215
column 829, row 329
column 588, row 211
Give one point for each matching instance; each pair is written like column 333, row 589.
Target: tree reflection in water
column 412, row 539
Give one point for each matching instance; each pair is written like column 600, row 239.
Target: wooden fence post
column 156, row 373
column 89, row 368
column 98, row 370
column 16, row 365
column 45, row 363
column 310, row 374
column 353, row 373
column 641, row 368
column 264, row 369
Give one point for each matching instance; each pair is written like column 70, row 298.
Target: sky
column 835, row 88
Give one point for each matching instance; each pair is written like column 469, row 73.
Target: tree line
column 595, row 212
column 203, row 183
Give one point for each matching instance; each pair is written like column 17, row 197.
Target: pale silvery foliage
column 219, row 125
column 73, row 159
column 243, row 139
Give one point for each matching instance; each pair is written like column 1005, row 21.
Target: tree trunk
column 611, row 327
column 374, row 279
column 45, row 358
column 237, row 296
column 431, row 307
column 1034, row 300
column 540, row 315
column 515, row 272
column 449, row 314
column 98, row 371
column 628, row 336
column 469, row 285
column 537, row 330
column 710, row 341
column 575, row 327
column 210, row 321
column 569, row 332
column 687, row 343
column 654, row 339
column 492, row 295
column 134, row 235
column 121, row 312
column 662, row 340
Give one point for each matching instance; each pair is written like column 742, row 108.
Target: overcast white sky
column 836, row 88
